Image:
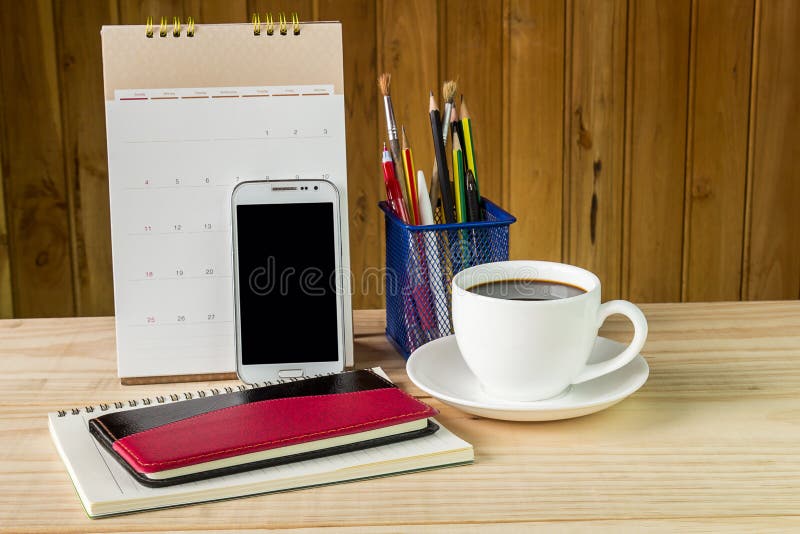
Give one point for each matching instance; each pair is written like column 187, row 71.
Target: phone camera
column 316, row 187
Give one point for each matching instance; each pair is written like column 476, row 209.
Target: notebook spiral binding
column 269, row 23
column 187, row 395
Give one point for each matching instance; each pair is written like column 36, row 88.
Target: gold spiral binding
column 163, row 27
column 282, row 18
column 270, row 23
column 175, row 397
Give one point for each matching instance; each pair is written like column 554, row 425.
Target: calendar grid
column 170, row 189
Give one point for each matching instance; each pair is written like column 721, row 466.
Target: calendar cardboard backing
column 224, row 55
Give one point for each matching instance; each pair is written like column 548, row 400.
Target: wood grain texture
column 365, row 187
column 6, row 296
column 554, row 87
column 717, row 169
column 772, row 260
column 303, row 8
column 86, row 164
column 35, row 192
column 533, row 102
column 137, row 11
column 596, row 139
column 474, row 57
column 202, row 11
column 407, row 35
column 708, row 444
column 205, row 12
column 656, row 148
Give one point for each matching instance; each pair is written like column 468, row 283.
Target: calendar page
column 174, row 157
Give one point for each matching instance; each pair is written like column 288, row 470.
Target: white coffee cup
column 529, row 350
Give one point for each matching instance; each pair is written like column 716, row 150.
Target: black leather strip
column 430, row 429
column 111, row 427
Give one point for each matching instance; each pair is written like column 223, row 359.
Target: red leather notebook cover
column 216, row 428
column 266, row 425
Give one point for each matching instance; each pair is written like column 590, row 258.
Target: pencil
column 455, row 126
column 411, row 182
column 473, row 209
column 469, row 146
column 385, row 82
column 459, row 184
column 448, row 93
column 441, row 163
column 435, row 192
column 473, row 206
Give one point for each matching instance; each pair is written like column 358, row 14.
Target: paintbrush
column 449, row 90
column 384, row 82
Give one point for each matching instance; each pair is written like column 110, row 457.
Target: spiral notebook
column 191, row 110
column 106, row 488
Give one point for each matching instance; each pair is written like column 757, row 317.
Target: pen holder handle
column 420, row 264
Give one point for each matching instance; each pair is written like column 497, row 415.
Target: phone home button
column 290, row 373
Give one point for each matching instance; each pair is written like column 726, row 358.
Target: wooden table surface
column 710, row 443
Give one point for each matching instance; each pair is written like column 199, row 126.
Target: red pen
column 393, row 193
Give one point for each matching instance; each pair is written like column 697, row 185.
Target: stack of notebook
column 220, row 444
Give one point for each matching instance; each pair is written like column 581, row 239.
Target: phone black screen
column 287, row 285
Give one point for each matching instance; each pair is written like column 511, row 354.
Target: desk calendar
column 175, row 153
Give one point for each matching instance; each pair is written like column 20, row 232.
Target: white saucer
column 438, row 369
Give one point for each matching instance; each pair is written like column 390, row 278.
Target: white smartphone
column 288, row 281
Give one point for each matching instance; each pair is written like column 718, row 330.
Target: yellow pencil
column 411, row 181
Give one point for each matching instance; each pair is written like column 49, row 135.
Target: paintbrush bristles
column 449, row 90
column 385, row 82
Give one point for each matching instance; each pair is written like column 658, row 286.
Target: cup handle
column 632, row 312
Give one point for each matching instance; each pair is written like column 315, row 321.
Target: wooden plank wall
column 653, row 142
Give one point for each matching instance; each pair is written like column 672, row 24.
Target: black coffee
column 526, row 290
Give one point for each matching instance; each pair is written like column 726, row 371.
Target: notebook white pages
column 179, row 140
column 106, row 488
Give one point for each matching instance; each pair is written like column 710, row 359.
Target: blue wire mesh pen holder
column 420, row 264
